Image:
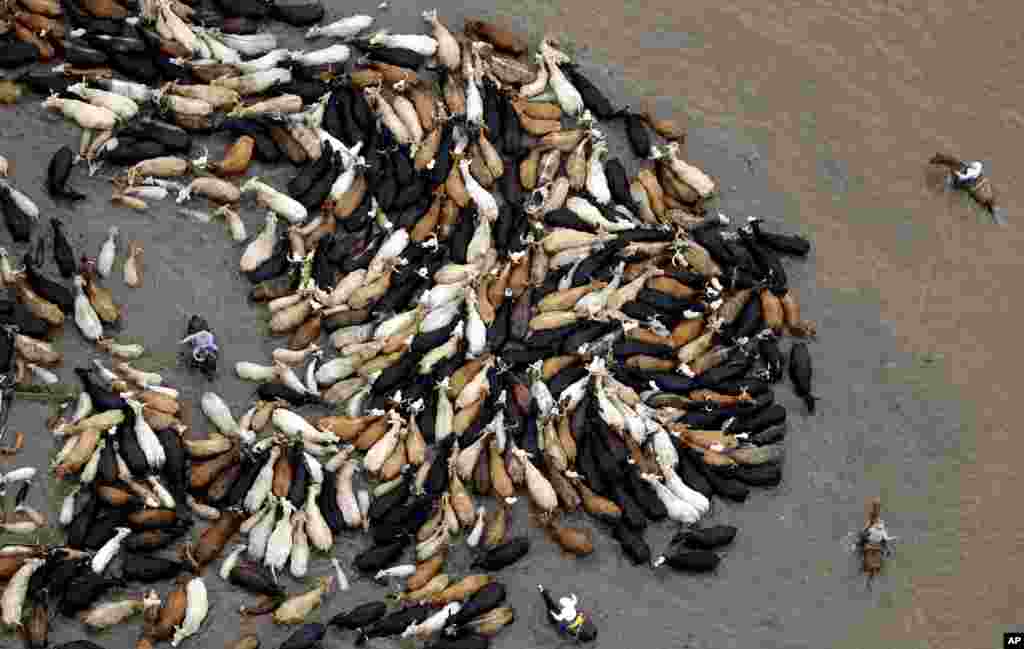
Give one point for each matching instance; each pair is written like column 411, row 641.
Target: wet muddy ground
column 817, row 115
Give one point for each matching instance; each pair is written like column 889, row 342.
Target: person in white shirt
column 967, row 174
column 569, row 620
column 568, row 612
column 874, row 541
column 876, row 534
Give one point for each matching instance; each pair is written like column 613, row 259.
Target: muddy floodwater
column 818, row 115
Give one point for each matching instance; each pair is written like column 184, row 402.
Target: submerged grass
column 156, row 362
column 49, row 535
column 264, row 315
column 149, row 362
column 58, row 393
column 920, row 376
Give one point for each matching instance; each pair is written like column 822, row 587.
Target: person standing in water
column 874, row 541
column 569, row 620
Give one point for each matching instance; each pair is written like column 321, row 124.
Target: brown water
column 848, row 99
column 820, row 116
